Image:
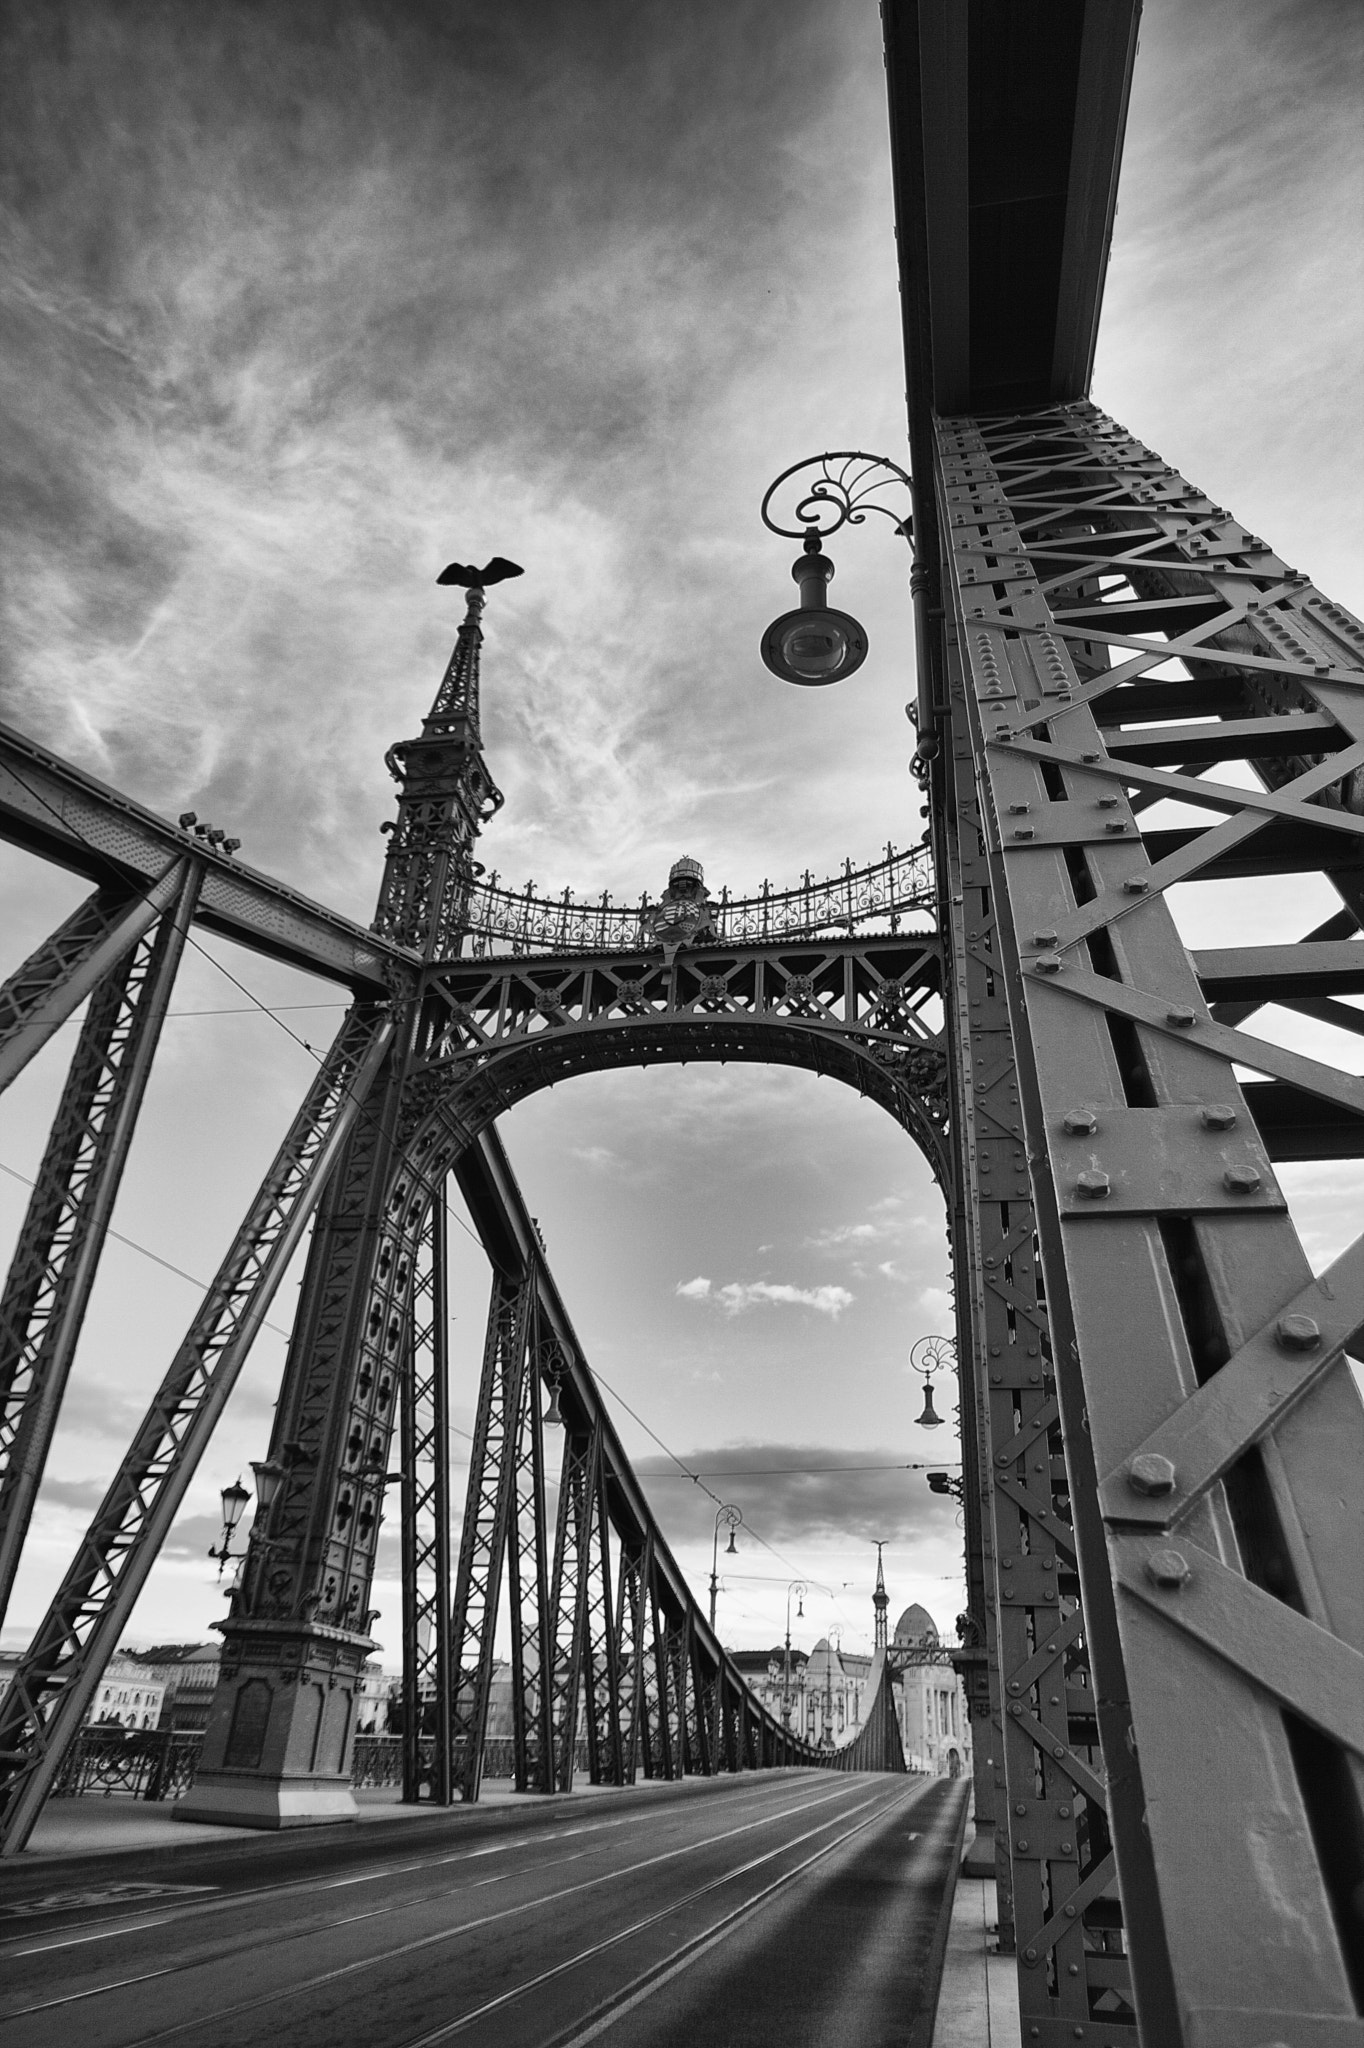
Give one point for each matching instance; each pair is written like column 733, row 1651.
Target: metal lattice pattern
column 57, row 1256
column 424, row 1411
column 1115, row 636
column 53, row 1684
column 501, row 920
column 487, row 1518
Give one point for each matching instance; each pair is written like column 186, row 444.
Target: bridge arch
column 848, row 1009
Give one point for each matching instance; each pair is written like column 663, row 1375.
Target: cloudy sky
column 302, row 300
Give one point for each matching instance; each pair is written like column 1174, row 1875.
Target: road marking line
column 332, row 1976
column 651, row 1981
column 227, row 1899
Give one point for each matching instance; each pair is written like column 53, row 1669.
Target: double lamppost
column 270, row 1474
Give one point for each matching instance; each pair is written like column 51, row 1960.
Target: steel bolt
column 1241, row 1180
column 1080, row 1122
column 1136, row 885
column 1030, row 1956
column 1067, row 1848
column 1020, row 1809
column 1116, row 825
column 1064, row 1812
column 1107, row 803
column 1019, row 808
column 1217, row 1116
column 1093, row 1183
column 1298, row 1333
column 1151, row 1474
column 1023, row 1844
column 1048, row 963
column 1069, row 1912
column 1168, row 1569
column 1024, row 832
column 1183, row 1018
column 1044, row 938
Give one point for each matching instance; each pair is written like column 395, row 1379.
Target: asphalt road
column 794, row 1909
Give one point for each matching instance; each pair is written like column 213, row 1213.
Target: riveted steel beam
column 1213, row 1436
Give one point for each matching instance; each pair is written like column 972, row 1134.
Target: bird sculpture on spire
column 496, row 571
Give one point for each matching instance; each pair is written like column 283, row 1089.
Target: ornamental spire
column 880, row 1600
column 445, row 794
column 457, row 698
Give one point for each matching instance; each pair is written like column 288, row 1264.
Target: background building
column 930, row 1699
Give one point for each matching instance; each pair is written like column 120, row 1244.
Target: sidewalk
column 978, row 2002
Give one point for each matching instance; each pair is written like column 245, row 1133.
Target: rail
column 520, row 921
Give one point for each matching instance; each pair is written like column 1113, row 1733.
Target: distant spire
column 880, row 1600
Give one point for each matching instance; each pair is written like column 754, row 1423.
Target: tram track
column 46, row 2017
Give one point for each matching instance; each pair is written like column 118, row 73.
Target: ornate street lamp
column 800, row 1589
column 930, row 1355
column 815, row 645
column 234, row 1499
column 731, row 1517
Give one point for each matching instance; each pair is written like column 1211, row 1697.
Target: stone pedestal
column 277, row 1748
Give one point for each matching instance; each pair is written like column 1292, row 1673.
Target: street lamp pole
column 731, row 1518
column 799, row 1588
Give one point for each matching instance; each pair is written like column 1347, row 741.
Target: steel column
column 1213, row 1438
column 488, row 1511
column 58, row 1253
column 528, row 1579
column 424, row 1421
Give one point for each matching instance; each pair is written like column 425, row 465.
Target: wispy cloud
column 737, row 1295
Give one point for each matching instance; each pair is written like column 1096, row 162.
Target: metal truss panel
column 1224, row 1562
column 52, row 1687
column 57, row 1256
column 54, row 981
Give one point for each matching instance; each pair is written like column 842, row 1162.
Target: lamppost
column 814, row 645
column 268, row 1473
column 930, row 1355
column 799, row 1588
column 731, row 1517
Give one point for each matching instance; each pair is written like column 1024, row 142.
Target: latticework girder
column 56, row 1259
column 57, row 1675
column 1173, row 1412
column 424, row 1469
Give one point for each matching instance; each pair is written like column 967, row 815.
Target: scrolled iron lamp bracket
column 816, row 645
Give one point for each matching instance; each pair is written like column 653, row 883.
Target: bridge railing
column 522, row 921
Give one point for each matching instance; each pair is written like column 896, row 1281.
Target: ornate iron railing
column 502, row 920
column 151, row 1763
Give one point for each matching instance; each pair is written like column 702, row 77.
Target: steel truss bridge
column 1163, row 1444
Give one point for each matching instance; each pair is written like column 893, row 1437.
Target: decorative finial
column 496, row 571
